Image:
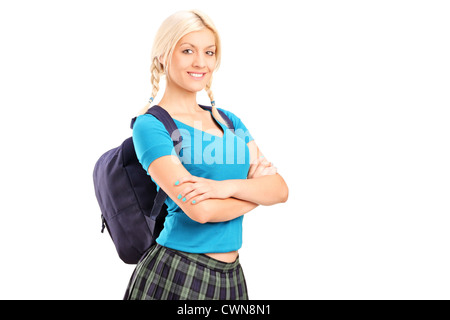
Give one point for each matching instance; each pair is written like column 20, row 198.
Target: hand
column 203, row 189
column 261, row 167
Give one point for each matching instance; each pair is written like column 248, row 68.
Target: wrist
column 231, row 187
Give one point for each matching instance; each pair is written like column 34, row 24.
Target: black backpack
column 131, row 208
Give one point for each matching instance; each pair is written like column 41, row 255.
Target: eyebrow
column 213, row 45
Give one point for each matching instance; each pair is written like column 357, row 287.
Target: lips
column 197, row 75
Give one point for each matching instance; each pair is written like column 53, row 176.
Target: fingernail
column 184, row 199
column 193, row 202
column 177, row 183
column 179, row 196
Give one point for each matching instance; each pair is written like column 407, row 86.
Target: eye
column 210, row 53
column 187, row 51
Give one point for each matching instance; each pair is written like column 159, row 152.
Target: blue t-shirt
column 204, row 155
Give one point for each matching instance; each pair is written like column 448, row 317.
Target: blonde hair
column 170, row 32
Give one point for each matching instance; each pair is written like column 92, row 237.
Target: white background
column 349, row 99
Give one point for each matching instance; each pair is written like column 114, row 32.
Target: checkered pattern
column 167, row 274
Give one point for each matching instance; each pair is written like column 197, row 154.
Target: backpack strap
column 163, row 116
column 224, row 116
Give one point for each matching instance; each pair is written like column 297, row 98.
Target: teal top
column 204, row 155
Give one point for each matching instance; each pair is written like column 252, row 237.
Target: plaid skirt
column 168, row 274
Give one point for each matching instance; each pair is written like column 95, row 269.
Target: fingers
column 189, row 178
column 259, row 170
column 251, row 170
column 261, row 167
column 253, row 166
column 194, row 193
column 256, row 165
column 269, row 171
column 200, row 198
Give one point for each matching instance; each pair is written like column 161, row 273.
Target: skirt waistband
column 203, row 259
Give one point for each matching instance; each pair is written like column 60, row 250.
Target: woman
column 210, row 185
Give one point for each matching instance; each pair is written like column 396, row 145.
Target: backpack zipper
column 103, row 223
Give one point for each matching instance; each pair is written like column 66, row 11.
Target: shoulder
column 237, row 122
column 232, row 116
column 148, row 123
column 146, row 119
column 147, row 128
column 229, row 114
column 239, row 127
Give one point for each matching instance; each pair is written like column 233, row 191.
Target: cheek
column 179, row 64
column 212, row 64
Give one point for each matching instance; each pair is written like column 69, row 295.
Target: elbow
column 201, row 219
column 199, row 213
column 281, row 197
column 285, row 195
column 277, row 197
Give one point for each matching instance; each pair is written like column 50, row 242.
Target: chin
column 195, row 88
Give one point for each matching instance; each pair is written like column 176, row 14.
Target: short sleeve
column 151, row 140
column 239, row 128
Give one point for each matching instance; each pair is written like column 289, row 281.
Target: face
column 193, row 61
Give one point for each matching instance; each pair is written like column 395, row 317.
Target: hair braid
column 209, row 92
column 156, row 70
column 215, row 112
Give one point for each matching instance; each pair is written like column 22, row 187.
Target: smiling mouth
column 197, row 75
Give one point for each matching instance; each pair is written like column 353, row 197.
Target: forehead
column 202, row 38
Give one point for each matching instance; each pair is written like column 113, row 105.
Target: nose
column 199, row 61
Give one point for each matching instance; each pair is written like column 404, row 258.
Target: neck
column 177, row 100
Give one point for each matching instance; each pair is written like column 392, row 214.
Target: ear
column 162, row 65
column 161, row 60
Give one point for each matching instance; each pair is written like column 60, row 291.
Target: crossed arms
column 206, row 200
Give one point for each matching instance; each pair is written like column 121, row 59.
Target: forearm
column 205, row 200
column 265, row 190
column 219, row 210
